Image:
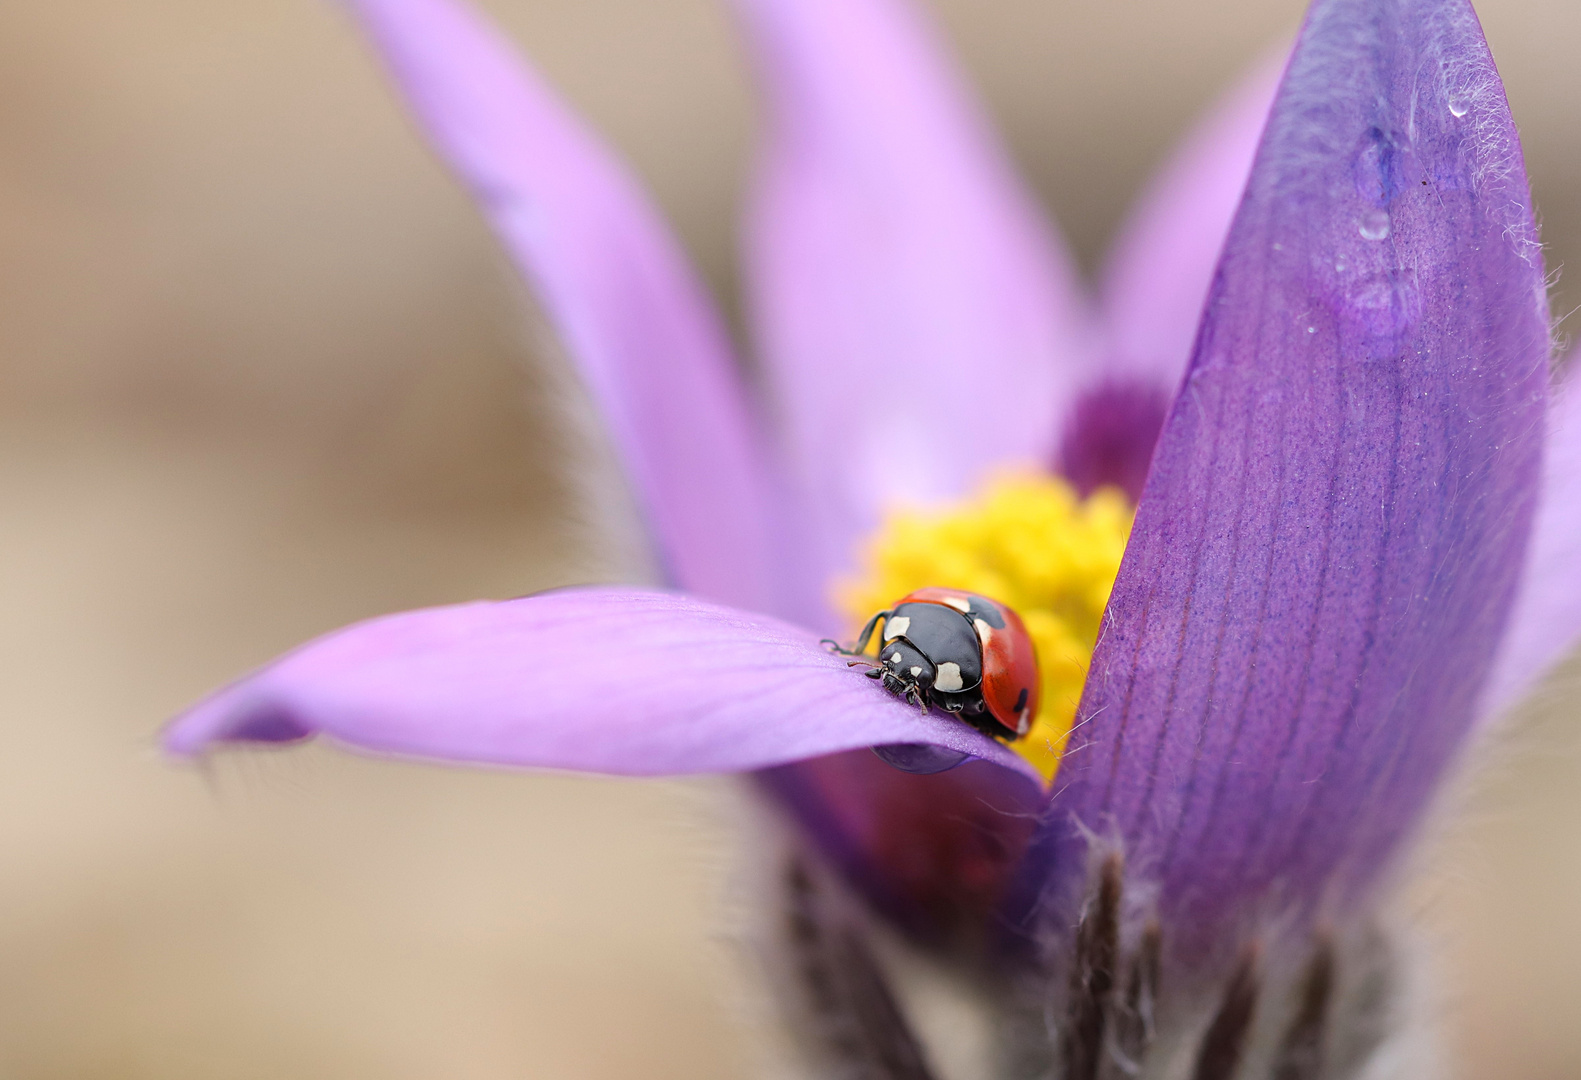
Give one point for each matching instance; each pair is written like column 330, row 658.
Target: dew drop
column 1376, row 168
column 1459, row 105
column 921, row 759
column 1383, row 309
column 1374, row 225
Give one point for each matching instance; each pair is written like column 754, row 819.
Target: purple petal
column 1159, row 269
column 918, row 321
column 1154, row 285
column 934, row 854
column 611, row 680
column 1109, row 436
column 616, row 285
column 1330, row 538
column 1545, row 624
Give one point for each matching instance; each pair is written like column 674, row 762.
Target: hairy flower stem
column 854, row 1016
column 1281, row 1010
column 1093, row 977
column 1224, row 1045
column 1300, row 1055
column 1122, row 1008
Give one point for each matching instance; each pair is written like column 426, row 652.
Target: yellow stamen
column 1028, row 541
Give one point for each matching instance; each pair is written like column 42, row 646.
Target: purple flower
column 1348, row 553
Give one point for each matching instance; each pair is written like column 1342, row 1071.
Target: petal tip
column 220, row 721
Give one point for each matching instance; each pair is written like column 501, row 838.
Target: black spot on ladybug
column 987, row 611
column 1021, row 699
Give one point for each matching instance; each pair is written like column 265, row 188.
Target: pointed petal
column 918, row 321
column 615, row 284
column 1157, row 275
column 1328, row 545
column 624, row 681
column 1545, row 625
column 1154, row 286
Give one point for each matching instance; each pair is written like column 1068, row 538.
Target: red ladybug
column 960, row 652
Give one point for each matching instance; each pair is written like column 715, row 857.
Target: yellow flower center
column 1028, row 541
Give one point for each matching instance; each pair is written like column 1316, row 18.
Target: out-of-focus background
column 262, row 373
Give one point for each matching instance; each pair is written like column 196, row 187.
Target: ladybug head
column 904, row 670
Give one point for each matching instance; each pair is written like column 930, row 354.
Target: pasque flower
column 1350, row 551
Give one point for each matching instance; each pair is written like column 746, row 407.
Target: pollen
column 1026, row 540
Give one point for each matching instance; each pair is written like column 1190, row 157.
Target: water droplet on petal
column 1459, row 104
column 923, row 759
column 1383, row 309
column 1374, row 225
column 1376, row 168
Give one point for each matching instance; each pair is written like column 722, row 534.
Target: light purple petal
column 1154, row 286
column 1545, row 624
column 918, row 321
column 1328, row 545
column 608, row 680
column 617, row 287
column 1157, row 275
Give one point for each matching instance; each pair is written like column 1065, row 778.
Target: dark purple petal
column 1327, row 548
column 932, row 853
column 1109, row 437
column 919, row 323
column 1545, row 624
column 616, row 285
column 605, row 680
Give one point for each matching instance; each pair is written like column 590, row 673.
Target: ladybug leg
column 862, row 639
column 917, row 696
column 987, row 726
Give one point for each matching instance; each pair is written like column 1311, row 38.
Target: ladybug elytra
column 956, row 651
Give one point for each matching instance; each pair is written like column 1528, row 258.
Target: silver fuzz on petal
column 1112, row 1002
column 836, row 989
column 1109, row 1000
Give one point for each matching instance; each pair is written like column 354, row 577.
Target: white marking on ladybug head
column 1023, row 722
column 984, row 631
column 915, row 672
column 895, row 659
column 959, row 603
column 949, row 677
column 896, row 627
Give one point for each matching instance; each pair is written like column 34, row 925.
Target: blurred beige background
column 261, row 373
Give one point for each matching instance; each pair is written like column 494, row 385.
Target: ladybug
column 957, row 651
